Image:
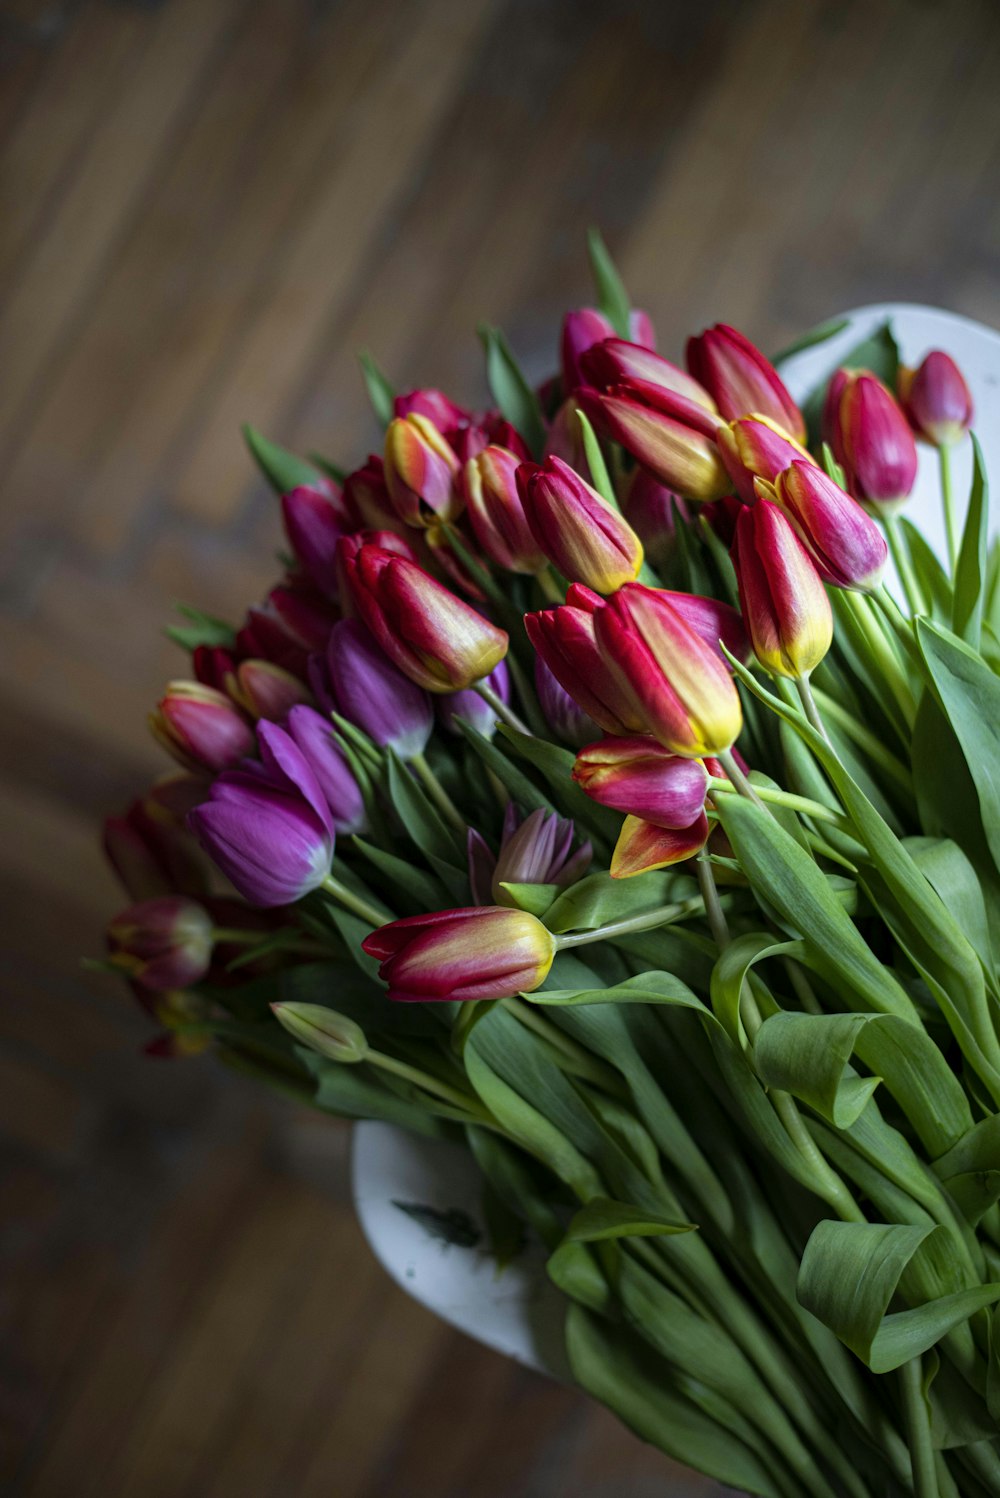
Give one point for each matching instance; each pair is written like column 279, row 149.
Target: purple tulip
column 369, row 690
column 313, row 734
column 470, row 706
column 315, row 518
column 267, row 824
column 567, row 721
column 537, row 849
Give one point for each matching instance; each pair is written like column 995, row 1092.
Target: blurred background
column 206, row 208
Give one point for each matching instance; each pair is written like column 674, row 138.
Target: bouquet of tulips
column 582, row 793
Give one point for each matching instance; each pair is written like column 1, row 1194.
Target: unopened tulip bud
column 845, row 544
column 149, row 849
column 580, row 331
column 682, row 456
column 679, row 686
column 617, row 363
column 564, row 717
column 370, row 691
column 756, row 447
column 324, row 1030
column 579, row 532
column 643, row 846
column 313, row 735
column 565, row 639
column 421, row 472
column 936, row 399
column 306, row 616
column 564, row 438
column 163, row 943
column 638, row 776
column 717, row 623
column 265, row 690
column 471, row 708
column 366, row 493
column 741, row 381
column 314, row 521
column 200, row 727
column 212, row 665
column 471, row 953
column 782, row 596
column 496, row 513
column 871, row 439
column 267, row 825
column 651, row 509
column 434, row 638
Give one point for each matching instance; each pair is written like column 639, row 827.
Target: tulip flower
column 741, row 381
column 616, row 363
column 150, row 850
column 782, row 595
column 536, row 849
column 434, row 406
column 565, row 639
column 716, row 622
column 163, row 943
column 681, row 455
column 757, row 447
column 640, row 777
column 643, row 846
column 587, row 540
column 936, row 399
column 421, row 472
column 314, row 520
column 496, row 513
column 434, row 638
column 200, row 727
column 499, row 433
column 313, row 735
column 267, row 825
column 585, row 328
column 371, row 692
column 265, row 690
column 871, row 439
column 846, row 545
column 566, row 720
column 212, row 665
column 366, row 493
column 471, row 708
column 679, row 686
column 471, row 953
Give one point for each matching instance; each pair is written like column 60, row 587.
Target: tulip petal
column 641, row 846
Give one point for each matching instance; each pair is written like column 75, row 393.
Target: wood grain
column 207, row 207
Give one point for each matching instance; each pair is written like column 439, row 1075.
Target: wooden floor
column 206, row 207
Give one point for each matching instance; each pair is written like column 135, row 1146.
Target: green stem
column 871, row 745
column 551, row 591
column 728, row 762
column 948, row 504
column 354, row 903
column 782, row 798
column 713, row 906
column 647, row 922
column 901, row 557
column 580, row 1061
column 883, row 655
column 504, row 713
column 918, row 1431
column 438, row 794
column 809, row 707
column 427, row 1083
column 236, row 935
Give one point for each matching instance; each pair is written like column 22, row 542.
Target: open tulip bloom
column 683, row 853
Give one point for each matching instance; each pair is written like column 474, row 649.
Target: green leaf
column 517, row 401
column 282, row 469
column 849, row 1274
column 612, row 298
column 598, row 899
column 602, row 1219
column 731, row 971
column 595, row 461
column 419, row 815
column 534, row 898
column 647, row 988
column 791, row 882
column 969, row 694
column 809, row 1055
column 970, row 567
column 350, row 1092
column 415, row 885
column 380, row 391
column 934, row 581
column 202, row 630
column 810, row 339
